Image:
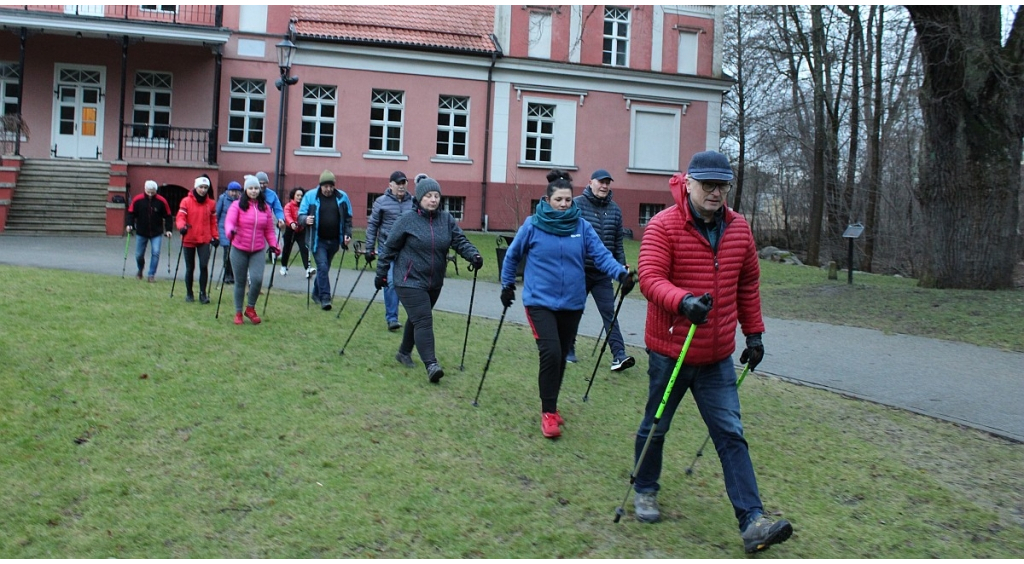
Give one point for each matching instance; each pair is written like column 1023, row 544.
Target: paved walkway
column 974, row 386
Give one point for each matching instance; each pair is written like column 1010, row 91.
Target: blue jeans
column 324, row 254
column 714, row 391
column 390, row 297
column 154, row 252
column 600, row 287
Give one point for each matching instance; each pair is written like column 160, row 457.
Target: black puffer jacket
column 149, row 217
column 606, row 218
column 418, row 245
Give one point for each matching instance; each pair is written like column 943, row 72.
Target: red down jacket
column 676, row 259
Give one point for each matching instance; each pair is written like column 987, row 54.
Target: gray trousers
column 251, row 264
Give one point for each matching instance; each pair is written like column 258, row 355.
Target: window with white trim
column 319, row 116
column 654, row 138
column 549, row 132
column 540, row 35
column 686, row 60
column 387, row 111
column 10, row 88
column 247, row 111
column 371, row 197
column 151, row 111
column 648, row 211
column 170, row 9
column 616, row 36
column 452, row 126
column 455, row 205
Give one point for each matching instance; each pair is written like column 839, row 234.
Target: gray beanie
column 262, row 177
column 427, row 185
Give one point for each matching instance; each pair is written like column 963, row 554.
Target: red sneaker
column 549, row 425
column 238, row 318
column 250, row 312
column 558, row 417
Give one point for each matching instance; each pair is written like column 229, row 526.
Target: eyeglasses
column 401, row 182
column 710, row 187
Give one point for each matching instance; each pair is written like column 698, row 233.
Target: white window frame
column 645, row 218
column 8, row 76
column 563, row 134
column 161, row 8
column 389, row 101
column 454, row 205
column 449, row 108
column 618, row 18
column 318, row 98
column 153, row 83
column 248, row 90
column 539, row 38
column 687, row 52
column 672, row 137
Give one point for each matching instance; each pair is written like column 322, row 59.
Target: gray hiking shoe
column 405, row 359
column 435, row 373
column 762, row 532
column 646, row 506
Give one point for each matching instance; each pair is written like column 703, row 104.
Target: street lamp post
column 285, row 52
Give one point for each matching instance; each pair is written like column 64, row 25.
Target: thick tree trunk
column 969, row 182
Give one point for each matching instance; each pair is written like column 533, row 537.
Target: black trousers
column 419, row 323
column 554, row 332
column 190, row 266
column 291, row 237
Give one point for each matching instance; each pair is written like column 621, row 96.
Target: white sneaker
column 310, row 271
column 284, row 271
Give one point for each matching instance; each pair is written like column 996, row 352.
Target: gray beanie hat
column 251, row 182
column 262, row 177
column 427, row 185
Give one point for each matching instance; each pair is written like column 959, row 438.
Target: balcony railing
column 175, row 14
column 168, row 144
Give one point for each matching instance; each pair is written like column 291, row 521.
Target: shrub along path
column 974, row 386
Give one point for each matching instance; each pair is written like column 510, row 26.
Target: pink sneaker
column 238, row 318
column 250, row 312
column 558, row 417
column 549, row 425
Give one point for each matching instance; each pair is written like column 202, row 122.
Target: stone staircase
column 60, row 197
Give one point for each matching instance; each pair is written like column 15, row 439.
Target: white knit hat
column 201, row 181
column 151, row 184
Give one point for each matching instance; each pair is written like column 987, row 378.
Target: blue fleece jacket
column 554, row 275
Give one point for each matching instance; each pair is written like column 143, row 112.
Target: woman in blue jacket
column 558, row 241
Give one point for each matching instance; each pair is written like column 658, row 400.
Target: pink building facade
column 486, row 99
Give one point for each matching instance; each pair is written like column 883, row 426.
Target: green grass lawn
column 136, row 426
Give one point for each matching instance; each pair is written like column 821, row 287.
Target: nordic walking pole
column 334, row 289
column 170, row 242
column 368, row 304
column 603, row 328
column 607, row 336
column 700, row 452
column 176, row 265
column 125, row 265
column 619, row 511
column 489, row 355
column 223, row 276
column 273, row 270
column 213, row 265
column 354, row 284
column 310, row 211
column 469, row 317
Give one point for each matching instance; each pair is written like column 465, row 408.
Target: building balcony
column 162, row 143
column 173, row 14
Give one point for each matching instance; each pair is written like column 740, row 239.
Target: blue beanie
column 710, row 165
column 233, row 185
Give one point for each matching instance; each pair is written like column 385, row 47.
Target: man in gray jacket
column 597, row 207
column 386, row 208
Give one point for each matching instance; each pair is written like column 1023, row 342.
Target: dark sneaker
column 190, row 298
column 394, row 326
column 623, row 363
column 326, row 306
column 763, row 532
column 549, row 425
column 151, row 279
column 229, row 279
column 435, row 373
column 203, row 298
column 138, row 275
column 646, row 507
column 405, row 359
column 571, row 357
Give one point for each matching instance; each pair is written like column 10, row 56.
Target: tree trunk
column 875, row 157
column 818, row 175
column 970, row 167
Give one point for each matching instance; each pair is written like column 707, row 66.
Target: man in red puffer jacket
column 698, row 265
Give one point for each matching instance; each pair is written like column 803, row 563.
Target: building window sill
column 245, row 149
column 316, row 153
column 452, row 160
column 547, row 166
column 386, row 156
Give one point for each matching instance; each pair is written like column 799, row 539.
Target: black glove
column 215, row 241
column 183, row 230
column 627, row 281
column 344, row 245
column 696, row 310
column 508, row 295
column 477, row 262
column 369, row 256
column 754, row 352
column 380, row 281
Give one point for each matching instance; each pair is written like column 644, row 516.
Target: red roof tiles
column 454, row 27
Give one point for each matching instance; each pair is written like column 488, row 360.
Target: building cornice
column 105, row 27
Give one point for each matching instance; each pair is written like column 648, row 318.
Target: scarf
column 554, row 222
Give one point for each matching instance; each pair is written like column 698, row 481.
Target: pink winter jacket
column 247, row 230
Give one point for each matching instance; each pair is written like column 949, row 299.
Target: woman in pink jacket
column 250, row 227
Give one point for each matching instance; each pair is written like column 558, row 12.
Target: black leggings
column 190, row 266
column 295, row 237
column 554, row 332
column 419, row 325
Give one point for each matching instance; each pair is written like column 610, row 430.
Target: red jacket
column 676, row 259
column 291, row 215
column 201, row 219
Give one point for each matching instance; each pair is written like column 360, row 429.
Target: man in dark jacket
column 149, row 216
column 604, row 215
column 386, row 208
column 327, row 212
